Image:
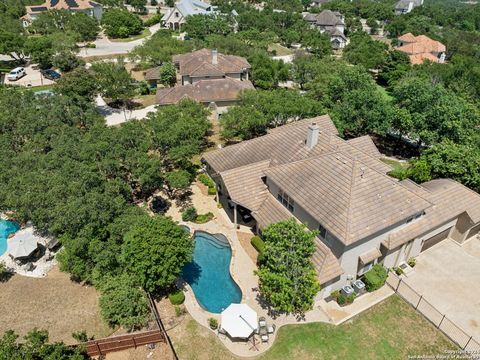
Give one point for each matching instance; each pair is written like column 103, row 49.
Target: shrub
column 344, row 299
column 258, row 243
column 335, row 294
column 398, row 270
column 375, row 277
column 177, row 297
column 143, row 88
column 5, row 273
column 204, row 218
column 206, row 180
column 91, row 45
column 219, row 206
column 80, row 336
column 179, row 311
column 412, row 262
column 213, row 323
column 212, row 191
column 190, row 214
column 155, row 19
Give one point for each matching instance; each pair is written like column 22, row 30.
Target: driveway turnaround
column 448, row 275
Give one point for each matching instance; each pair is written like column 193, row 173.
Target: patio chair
column 262, row 322
column 271, row 329
column 264, row 338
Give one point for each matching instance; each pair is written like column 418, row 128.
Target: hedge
column 177, row 297
column 204, row 218
column 190, row 214
column 206, row 180
column 258, row 243
column 375, row 277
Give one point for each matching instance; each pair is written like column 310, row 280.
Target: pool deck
column 242, row 268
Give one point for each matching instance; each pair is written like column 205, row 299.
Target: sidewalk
column 117, row 116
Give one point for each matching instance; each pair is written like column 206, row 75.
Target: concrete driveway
column 448, row 277
column 33, row 77
column 106, row 47
column 116, row 116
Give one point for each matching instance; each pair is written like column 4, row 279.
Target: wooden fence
column 122, row 342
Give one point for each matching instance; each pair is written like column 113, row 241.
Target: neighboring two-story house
column 86, row 6
column 331, row 23
column 340, row 188
column 208, row 77
column 405, row 6
column 182, row 9
column 421, row 48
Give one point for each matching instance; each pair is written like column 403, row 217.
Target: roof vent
column 362, row 169
column 312, row 136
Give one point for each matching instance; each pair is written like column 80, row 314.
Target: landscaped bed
column 389, row 330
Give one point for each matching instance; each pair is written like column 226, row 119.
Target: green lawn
column 384, row 93
column 279, row 49
column 395, row 163
column 389, row 330
column 144, row 34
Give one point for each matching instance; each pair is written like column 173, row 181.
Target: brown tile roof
column 61, row 5
column 204, row 91
column 450, row 199
column 286, row 144
column 350, row 199
column 326, row 264
column 152, row 73
column 200, row 63
column 245, row 185
column 420, row 48
column 369, row 256
column 365, row 144
column 270, row 211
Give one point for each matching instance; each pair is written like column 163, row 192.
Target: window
column 176, row 14
column 286, row 200
column 323, row 231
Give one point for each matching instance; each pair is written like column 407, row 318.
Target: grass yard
column 54, row 303
column 389, row 330
column 279, row 49
column 143, row 34
column 395, row 163
column 384, row 93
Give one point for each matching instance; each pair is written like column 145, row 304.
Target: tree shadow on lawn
column 271, row 311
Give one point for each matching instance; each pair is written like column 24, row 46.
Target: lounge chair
column 271, row 329
column 262, row 322
column 264, row 338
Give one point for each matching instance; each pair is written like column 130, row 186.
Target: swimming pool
column 209, row 273
column 6, row 228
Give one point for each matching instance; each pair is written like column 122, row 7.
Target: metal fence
column 465, row 341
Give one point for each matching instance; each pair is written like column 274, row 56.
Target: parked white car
column 16, row 74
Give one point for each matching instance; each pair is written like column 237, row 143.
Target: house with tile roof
column 182, row 9
column 208, row 77
column 405, row 6
column 342, row 189
column 331, row 23
column 86, row 6
column 421, row 48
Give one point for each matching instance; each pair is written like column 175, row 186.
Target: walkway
column 242, row 268
column 117, row 116
column 105, row 47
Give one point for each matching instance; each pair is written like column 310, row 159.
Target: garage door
column 435, row 239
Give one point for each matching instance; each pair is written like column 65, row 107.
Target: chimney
column 312, row 136
column 214, row 57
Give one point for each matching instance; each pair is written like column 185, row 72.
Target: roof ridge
column 349, row 205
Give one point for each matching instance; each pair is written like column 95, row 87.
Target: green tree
column 154, row 252
column 123, row 302
column 168, row 74
column 36, row 346
column 176, row 182
column 243, row 122
column 138, row 5
column 78, row 83
column 363, row 50
column 114, row 82
column 120, row 23
column 199, row 26
column 266, row 72
column 286, row 274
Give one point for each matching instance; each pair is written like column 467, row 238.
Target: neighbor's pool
column 6, row 228
column 209, row 273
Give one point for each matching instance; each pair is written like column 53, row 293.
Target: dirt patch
column 54, row 303
column 160, row 351
column 244, row 239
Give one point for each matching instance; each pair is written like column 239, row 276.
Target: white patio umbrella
column 239, row 320
column 22, row 245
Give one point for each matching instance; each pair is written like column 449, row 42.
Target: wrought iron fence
column 465, row 341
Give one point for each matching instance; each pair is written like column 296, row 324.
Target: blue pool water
column 6, row 228
column 209, row 273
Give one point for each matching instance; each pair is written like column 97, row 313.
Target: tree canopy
column 286, row 273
